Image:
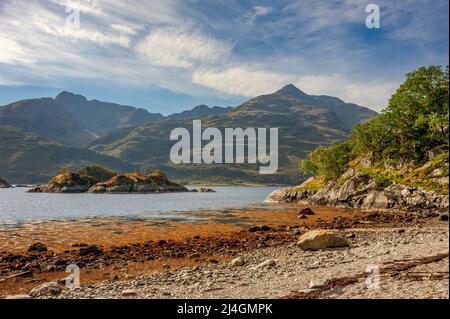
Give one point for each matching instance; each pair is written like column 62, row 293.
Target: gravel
column 278, row 271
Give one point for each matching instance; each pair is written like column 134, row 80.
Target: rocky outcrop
column 362, row 191
column 66, row 183
column 137, row 183
column 118, row 184
column 4, row 184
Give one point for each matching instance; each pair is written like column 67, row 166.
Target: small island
column 95, row 179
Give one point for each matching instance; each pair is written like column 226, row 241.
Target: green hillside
column 408, row 143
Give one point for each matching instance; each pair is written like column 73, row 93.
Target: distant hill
column 201, row 111
column 27, row 158
column 304, row 123
column 101, row 117
column 47, row 118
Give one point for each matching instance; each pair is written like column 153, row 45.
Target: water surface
column 18, row 205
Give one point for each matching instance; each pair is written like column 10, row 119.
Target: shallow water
column 18, row 205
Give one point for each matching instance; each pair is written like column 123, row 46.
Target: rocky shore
column 324, row 259
column 4, row 183
column 362, row 191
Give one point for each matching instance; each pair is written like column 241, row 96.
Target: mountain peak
column 64, row 95
column 291, row 89
column 201, row 107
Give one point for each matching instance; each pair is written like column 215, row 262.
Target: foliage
column 410, row 132
column 98, row 172
column 328, row 162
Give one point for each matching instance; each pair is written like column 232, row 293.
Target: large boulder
column 66, row 183
column 321, row 239
column 137, row 183
column 4, row 183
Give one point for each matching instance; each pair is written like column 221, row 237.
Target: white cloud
column 374, row 95
column 182, row 48
column 258, row 11
column 126, row 29
column 12, row 52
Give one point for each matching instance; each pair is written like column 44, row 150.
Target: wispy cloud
column 232, row 48
column 182, row 47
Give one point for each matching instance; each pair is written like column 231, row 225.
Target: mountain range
column 40, row 136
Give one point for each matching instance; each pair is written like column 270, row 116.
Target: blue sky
column 171, row 55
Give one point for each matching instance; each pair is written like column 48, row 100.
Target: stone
column 321, row 239
column 317, row 283
column 237, row 262
column 22, row 296
column 47, row 289
column 351, row 236
column 267, row 264
column 90, row 250
column 129, row 293
column 306, row 211
column 302, row 216
column 443, row 217
column 4, row 183
column 37, row 247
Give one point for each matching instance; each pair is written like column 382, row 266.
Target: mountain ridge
column 304, row 121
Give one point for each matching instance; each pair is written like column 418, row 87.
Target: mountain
column 47, row 118
column 40, row 136
column 101, row 117
column 27, row 158
column 304, row 122
column 201, row 111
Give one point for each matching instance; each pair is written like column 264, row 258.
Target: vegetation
column 98, row 172
column 408, row 142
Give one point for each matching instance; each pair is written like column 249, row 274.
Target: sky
column 167, row 56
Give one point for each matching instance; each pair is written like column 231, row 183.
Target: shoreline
column 135, row 249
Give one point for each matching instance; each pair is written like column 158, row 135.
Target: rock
column 267, row 264
column 206, row 190
column 237, row 262
column 259, row 228
column 351, row 236
column 443, row 217
column 47, row 289
column 4, row 183
column 306, row 211
column 66, row 183
column 90, row 250
column 302, row 216
column 37, row 247
column 23, row 296
column 137, row 183
column 317, row 283
column 129, row 293
column 321, row 239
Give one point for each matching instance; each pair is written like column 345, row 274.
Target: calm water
column 18, row 205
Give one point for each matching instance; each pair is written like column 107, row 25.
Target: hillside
column 47, row 118
column 304, row 123
column 27, row 158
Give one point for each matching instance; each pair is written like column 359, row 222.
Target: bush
column 329, row 162
column 99, row 173
column 382, row 181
